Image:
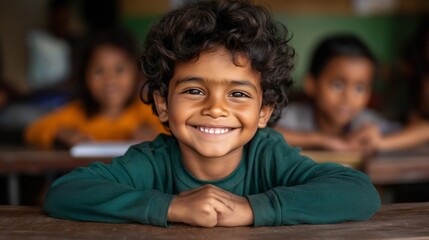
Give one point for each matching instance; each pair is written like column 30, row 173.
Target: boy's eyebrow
column 233, row 82
column 244, row 83
column 188, row 79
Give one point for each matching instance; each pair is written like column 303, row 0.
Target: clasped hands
column 368, row 139
column 210, row 206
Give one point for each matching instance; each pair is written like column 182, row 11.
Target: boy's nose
column 215, row 107
column 348, row 96
column 108, row 78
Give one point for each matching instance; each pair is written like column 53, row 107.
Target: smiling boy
column 217, row 73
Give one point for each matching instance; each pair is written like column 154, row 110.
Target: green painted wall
column 140, row 25
column 385, row 35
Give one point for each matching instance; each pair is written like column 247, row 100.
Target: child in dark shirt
column 416, row 130
column 339, row 84
column 217, row 73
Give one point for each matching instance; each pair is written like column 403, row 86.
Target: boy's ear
column 161, row 106
column 309, row 85
column 264, row 115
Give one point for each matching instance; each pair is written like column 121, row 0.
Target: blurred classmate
column 416, row 130
column 108, row 108
column 50, row 83
column 339, row 84
column 414, row 134
column 51, row 53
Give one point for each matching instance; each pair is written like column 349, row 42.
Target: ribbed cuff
column 158, row 209
column 264, row 213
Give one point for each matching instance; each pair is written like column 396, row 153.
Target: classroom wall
column 383, row 24
column 16, row 18
column 143, row 7
column 385, row 35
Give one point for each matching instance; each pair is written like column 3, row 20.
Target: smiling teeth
column 213, row 130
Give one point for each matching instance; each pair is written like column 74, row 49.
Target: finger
column 207, row 187
column 192, row 191
column 221, row 208
column 214, row 192
column 358, row 134
column 221, row 195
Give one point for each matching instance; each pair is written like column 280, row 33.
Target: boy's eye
column 238, row 94
column 193, row 91
column 360, row 89
column 120, row 69
column 98, row 71
column 337, row 85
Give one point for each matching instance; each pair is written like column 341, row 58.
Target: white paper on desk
column 100, row 149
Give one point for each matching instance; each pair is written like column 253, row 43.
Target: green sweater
column 283, row 187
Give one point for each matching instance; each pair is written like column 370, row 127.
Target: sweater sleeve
column 308, row 192
column 41, row 133
column 109, row 193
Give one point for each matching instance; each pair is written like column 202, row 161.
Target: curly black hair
column 339, row 45
column 236, row 25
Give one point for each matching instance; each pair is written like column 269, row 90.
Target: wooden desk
column 37, row 161
column 399, row 167
column 349, row 159
column 399, row 221
column 388, row 168
column 24, row 161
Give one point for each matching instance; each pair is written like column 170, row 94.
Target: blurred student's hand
column 338, row 144
column 209, row 206
column 70, row 137
column 368, row 138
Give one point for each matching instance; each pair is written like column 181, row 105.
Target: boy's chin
column 217, row 152
column 341, row 119
column 214, row 154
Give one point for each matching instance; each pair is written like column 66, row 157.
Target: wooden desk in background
column 384, row 169
column 349, row 159
column 25, row 161
column 388, row 168
column 398, row 221
column 399, row 167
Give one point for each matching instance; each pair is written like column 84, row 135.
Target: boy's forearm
column 81, row 195
column 409, row 137
column 324, row 193
column 291, row 205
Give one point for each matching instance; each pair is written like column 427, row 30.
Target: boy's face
column 111, row 77
column 214, row 107
column 343, row 89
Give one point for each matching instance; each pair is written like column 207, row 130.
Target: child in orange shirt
column 108, row 108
